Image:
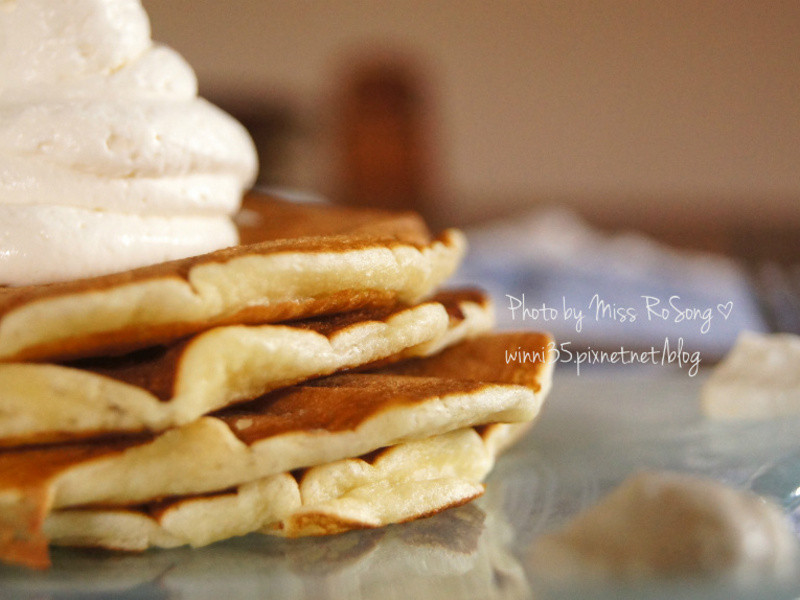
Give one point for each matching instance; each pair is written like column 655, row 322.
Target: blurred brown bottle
column 383, row 138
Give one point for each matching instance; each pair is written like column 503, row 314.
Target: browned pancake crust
column 335, row 403
column 267, row 218
column 476, row 360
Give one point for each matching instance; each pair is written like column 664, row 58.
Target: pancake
column 156, row 388
column 393, row 485
column 311, row 260
column 305, row 425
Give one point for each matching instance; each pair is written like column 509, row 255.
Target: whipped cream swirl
column 108, row 158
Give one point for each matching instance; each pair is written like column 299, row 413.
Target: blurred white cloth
column 633, row 292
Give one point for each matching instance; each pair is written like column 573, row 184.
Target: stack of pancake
column 312, row 380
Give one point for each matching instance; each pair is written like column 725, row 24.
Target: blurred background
column 678, row 119
column 619, row 148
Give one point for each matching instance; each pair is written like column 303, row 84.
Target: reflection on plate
column 457, row 554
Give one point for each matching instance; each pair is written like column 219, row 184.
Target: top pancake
column 295, row 261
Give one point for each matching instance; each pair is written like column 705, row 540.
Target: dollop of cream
column 658, row 525
column 758, row 379
column 109, row 160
